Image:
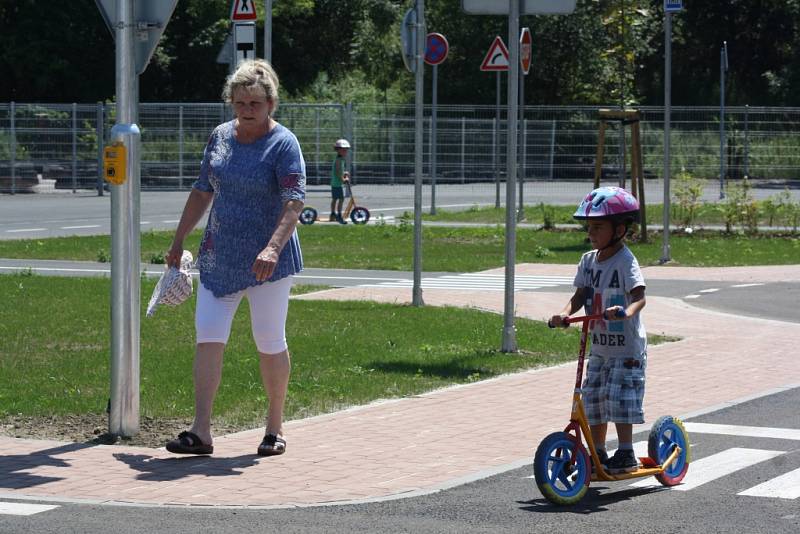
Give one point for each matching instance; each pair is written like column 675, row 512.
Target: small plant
column 157, row 258
column 786, row 209
column 740, row 208
column 688, row 192
column 548, row 216
column 103, row 256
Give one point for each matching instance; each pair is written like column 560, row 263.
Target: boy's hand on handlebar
column 615, row 313
column 557, row 321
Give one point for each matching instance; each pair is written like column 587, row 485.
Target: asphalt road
column 741, row 484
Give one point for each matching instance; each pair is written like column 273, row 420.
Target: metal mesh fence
column 59, row 143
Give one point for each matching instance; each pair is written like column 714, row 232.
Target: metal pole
column 521, row 177
column 268, row 31
column 433, row 139
column 746, row 140
column 13, row 148
column 99, row 134
column 419, row 146
column 125, row 287
column 509, row 329
column 74, row 147
column 722, row 61
column 392, row 126
column 496, row 146
column 665, row 252
column 463, row 150
column 552, row 148
column 180, row 147
column 316, row 129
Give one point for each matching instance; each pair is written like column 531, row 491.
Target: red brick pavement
column 420, row 444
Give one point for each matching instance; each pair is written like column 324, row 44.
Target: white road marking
column 692, row 297
column 748, row 431
column 480, row 282
column 709, row 290
column 747, row 285
column 716, row 466
column 786, row 486
column 18, row 508
column 144, row 222
column 25, row 230
column 171, row 222
column 83, row 226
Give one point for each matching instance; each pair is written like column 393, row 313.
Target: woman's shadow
column 162, row 469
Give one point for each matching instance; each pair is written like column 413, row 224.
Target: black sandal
column 189, row 443
column 272, row 445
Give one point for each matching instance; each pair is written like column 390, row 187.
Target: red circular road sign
column 436, row 48
column 525, row 50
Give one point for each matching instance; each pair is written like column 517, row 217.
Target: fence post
column 463, row 148
column 523, row 155
column 552, row 148
column 495, row 159
column 746, row 141
column 99, row 134
column 74, row 147
column 392, row 126
column 316, row 129
column 13, row 149
column 180, row 147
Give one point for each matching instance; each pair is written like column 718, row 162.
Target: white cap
column 341, row 143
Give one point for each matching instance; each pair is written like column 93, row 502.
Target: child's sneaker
column 332, row 218
column 603, row 456
column 622, row 462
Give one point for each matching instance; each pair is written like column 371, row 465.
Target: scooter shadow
column 596, row 499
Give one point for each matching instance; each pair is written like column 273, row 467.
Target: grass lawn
column 451, row 249
column 55, row 339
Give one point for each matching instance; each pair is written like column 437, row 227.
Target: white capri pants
column 269, row 303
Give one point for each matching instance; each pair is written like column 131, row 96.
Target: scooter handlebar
column 583, row 318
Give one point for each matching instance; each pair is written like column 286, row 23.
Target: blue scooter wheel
column 562, row 469
column 308, row 216
column 667, row 433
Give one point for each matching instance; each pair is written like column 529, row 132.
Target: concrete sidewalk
column 425, row 443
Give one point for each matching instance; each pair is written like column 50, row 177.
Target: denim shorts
column 613, row 390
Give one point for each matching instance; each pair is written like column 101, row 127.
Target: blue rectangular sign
column 673, row 6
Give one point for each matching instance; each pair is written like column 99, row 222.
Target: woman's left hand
column 265, row 263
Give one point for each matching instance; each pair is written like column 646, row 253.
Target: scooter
column 562, row 466
column 357, row 214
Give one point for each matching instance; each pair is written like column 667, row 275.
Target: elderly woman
column 253, row 176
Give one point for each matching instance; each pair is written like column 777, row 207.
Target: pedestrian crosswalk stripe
column 786, row 486
column 716, row 466
column 20, row 508
column 748, row 431
column 480, row 282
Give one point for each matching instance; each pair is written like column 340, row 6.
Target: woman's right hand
column 557, row 321
column 174, row 255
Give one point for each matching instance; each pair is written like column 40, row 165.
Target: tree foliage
column 607, row 52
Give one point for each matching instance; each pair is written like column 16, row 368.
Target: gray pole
column 746, row 140
column 74, row 147
column 13, row 148
column 99, row 134
column 521, row 177
column 125, row 288
column 723, row 60
column 434, row 90
column 496, row 147
column 268, row 31
column 509, row 330
column 665, row 252
column 419, row 147
column 180, row 147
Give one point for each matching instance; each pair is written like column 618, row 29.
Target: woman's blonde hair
column 252, row 73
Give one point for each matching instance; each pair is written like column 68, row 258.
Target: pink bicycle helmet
column 611, row 203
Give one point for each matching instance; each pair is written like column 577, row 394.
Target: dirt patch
column 93, row 428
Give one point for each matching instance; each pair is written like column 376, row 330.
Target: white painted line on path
column 709, row 290
column 25, row 230
column 692, row 297
column 715, row 466
column 83, row 226
column 19, row 508
column 747, row 431
column 786, row 486
column 747, row 285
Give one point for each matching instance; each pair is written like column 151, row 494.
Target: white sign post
column 525, row 56
column 244, row 42
column 496, row 60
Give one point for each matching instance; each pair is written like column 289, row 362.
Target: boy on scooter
column 610, row 282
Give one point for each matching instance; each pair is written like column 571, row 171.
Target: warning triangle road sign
column 497, row 57
column 243, row 10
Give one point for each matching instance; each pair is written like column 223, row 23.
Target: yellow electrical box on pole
column 114, row 162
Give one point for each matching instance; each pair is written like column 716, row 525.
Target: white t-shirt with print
column 609, row 283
